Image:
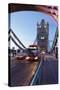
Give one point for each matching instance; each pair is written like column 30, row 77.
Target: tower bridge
column 43, row 70
column 42, row 35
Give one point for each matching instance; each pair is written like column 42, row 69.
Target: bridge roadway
column 23, row 71
column 49, row 74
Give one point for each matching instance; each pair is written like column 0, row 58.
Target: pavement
column 23, row 71
column 49, row 73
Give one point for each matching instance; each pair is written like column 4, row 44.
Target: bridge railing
column 36, row 80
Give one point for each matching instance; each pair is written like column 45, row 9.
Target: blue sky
column 24, row 24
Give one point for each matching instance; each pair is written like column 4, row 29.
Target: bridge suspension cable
column 10, row 37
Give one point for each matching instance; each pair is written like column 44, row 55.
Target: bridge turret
column 42, row 35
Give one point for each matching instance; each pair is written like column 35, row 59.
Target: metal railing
column 36, row 80
column 10, row 37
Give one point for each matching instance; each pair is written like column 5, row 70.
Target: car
column 20, row 56
column 31, row 58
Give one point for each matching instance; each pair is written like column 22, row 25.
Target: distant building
column 42, row 35
column 11, row 52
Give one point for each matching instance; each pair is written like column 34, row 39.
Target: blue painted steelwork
column 55, row 40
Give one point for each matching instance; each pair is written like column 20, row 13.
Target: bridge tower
column 42, row 35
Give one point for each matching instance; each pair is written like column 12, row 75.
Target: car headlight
column 36, row 58
column 27, row 57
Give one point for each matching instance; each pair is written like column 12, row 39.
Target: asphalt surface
column 23, row 71
column 49, row 73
